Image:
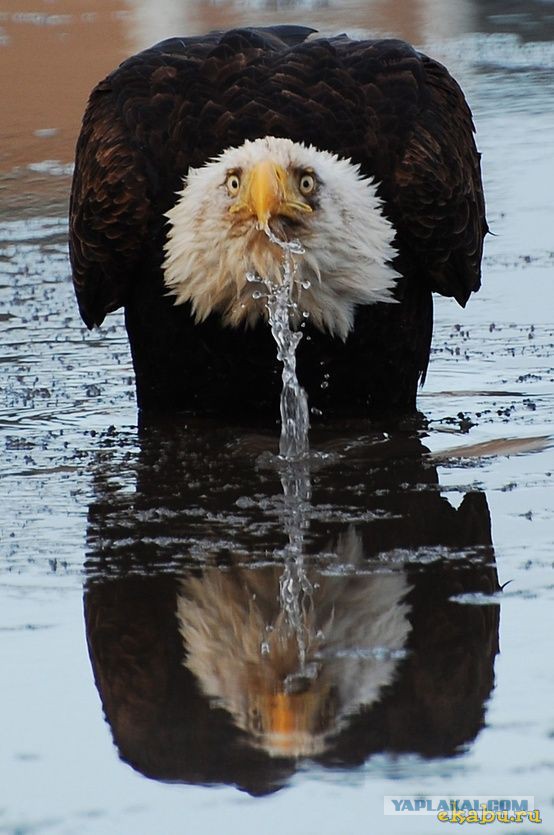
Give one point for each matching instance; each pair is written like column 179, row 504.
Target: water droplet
column 264, row 648
column 325, row 384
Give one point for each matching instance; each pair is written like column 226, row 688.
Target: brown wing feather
column 439, row 190
column 109, row 210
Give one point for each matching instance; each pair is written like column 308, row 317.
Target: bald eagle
column 197, row 154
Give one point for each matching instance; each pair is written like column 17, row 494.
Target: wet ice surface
column 190, row 518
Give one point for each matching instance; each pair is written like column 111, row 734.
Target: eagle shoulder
column 429, row 166
column 443, row 166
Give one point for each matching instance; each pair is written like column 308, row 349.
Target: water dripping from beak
column 281, row 307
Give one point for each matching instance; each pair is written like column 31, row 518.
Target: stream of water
column 295, row 589
column 283, row 309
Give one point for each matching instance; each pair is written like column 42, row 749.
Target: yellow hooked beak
column 267, row 192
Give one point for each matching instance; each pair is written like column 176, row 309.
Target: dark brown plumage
column 392, row 110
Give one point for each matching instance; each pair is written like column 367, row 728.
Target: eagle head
column 223, row 227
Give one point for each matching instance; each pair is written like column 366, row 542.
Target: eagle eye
column 233, row 183
column 306, row 183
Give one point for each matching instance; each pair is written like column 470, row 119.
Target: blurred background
column 52, row 52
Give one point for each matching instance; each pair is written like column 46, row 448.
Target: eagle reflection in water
column 225, row 650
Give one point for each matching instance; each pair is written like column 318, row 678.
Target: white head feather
column 348, row 241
